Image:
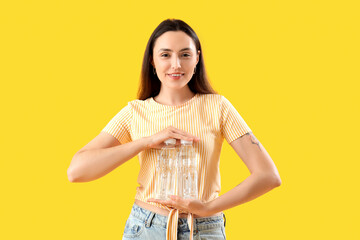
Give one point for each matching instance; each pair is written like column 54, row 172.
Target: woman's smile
column 176, row 76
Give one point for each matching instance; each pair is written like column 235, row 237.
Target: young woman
column 177, row 101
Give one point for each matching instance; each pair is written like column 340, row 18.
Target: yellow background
column 291, row 68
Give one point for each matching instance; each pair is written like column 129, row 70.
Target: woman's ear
column 197, row 56
column 152, row 62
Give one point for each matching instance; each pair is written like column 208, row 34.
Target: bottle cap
column 170, row 141
column 182, row 141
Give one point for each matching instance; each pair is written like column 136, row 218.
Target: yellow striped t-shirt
column 211, row 117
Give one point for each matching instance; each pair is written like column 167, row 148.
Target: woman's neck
column 174, row 98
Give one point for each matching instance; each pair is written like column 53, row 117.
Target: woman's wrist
column 211, row 208
column 146, row 142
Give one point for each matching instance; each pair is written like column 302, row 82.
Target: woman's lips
column 176, row 76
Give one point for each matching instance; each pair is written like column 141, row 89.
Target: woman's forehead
column 174, row 41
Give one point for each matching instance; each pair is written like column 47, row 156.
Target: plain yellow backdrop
column 291, row 69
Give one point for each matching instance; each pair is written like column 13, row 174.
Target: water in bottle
column 187, row 170
column 166, row 171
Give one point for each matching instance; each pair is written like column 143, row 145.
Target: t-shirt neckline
column 174, row 106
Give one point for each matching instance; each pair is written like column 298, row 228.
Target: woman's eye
column 167, row 55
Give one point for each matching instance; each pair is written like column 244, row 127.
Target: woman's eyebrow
column 169, row 50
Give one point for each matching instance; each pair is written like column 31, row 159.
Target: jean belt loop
column 149, row 219
column 224, row 219
column 195, row 226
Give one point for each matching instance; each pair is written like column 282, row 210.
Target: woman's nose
column 175, row 62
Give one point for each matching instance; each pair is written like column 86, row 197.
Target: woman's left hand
column 194, row 206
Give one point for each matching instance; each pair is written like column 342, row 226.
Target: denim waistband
column 149, row 218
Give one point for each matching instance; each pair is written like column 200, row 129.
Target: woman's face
column 174, row 58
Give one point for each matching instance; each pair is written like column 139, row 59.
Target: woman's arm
column 102, row 155
column 264, row 175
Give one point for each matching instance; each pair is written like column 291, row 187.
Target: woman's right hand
column 157, row 140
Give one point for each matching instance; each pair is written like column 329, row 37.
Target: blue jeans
column 143, row 224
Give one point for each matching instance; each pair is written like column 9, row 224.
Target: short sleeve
column 120, row 125
column 232, row 124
